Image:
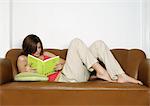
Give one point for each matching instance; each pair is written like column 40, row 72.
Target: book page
column 50, row 64
column 35, row 63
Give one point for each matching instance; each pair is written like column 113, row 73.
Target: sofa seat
column 84, row 93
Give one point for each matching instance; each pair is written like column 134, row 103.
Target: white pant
column 80, row 59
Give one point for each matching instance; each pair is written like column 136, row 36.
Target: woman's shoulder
column 45, row 53
column 22, row 58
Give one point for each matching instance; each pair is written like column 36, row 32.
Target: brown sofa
column 94, row 92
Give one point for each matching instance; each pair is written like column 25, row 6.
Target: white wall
column 89, row 21
column 4, row 27
column 120, row 23
column 148, row 27
column 145, row 26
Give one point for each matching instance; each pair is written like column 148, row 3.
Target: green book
column 45, row 67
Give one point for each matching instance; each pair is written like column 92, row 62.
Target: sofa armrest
column 144, row 72
column 6, row 74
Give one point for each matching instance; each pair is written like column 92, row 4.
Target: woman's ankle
column 98, row 68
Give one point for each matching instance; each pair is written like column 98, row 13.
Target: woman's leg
column 79, row 59
column 100, row 50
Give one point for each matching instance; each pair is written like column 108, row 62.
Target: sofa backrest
column 128, row 59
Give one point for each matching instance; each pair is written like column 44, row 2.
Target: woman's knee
column 100, row 42
column 76, row 41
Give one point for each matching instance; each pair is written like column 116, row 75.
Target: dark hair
column 29, row 45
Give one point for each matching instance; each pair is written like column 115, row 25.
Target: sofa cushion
column 30, row 76
column 90, row 85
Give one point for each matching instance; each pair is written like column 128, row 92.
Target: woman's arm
column 60, row 65
column 62, row 61
column 23, row 66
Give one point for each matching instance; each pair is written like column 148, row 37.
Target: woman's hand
column 30, row 69
column 58, row 67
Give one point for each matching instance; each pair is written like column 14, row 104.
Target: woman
column 80, row 61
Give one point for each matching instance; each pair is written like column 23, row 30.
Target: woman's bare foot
column 104, row 76
column 101, row 72
column 123, row 78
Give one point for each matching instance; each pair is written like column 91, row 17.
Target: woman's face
column 38, row 51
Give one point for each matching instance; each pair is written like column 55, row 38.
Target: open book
column 45, row 67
